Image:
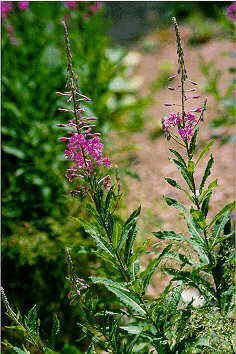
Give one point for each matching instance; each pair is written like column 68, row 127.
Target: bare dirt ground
column 152, row 155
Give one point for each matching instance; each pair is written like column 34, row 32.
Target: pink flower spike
column 23, row 5
column 71, row 4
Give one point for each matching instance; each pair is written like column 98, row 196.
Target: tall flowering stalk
column 205, row 235
column 186, row 119
column 84, row 147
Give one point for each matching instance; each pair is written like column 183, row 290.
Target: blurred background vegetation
column 36, row 204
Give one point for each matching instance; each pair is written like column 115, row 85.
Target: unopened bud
column 61, row 125
column 63, row 139
column 91, row 118
column 193, row 83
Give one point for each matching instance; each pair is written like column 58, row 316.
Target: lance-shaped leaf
column 179, row 157
column 151, row 268
column 32, row 321
column 173, row 183
column 199, row 218
column 129, row 243
column 218, row 229
column 227, row 208
column 206, row 173
column 205, row 204
column 188, row 177
column 175, row 204
column 204, row 151
column 192, row 146
column 191, row 166
column 109, row 197
column 128, row 228
column 197, row 240
column 101, row 242
column 122, row 293
column 169, row 235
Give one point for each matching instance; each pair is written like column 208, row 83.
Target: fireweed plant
column 193, row 314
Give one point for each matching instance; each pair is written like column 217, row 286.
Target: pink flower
column 185, row 132
column 23, row 5
column 96, row 7
column 106, row 162
column 6, row 7
column 71, row 4
column 231, row 11
column 85, row 153
column 190, row 117
column 173, row 120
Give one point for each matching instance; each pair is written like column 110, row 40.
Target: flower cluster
column 231, row 11
column 91, row 9
column 83, row 146
column 185, row 125
column 6, row 7
column 70, row 4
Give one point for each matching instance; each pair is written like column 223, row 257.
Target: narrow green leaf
column 128, row 228
column 134, row 215
column 227, row 208
column 179, row 157
column 173, row 183
column 108, row 199
column 191, row 166
column 169, row 235
column 20, row 351
column 179, row 164
column 175, row 204
column 197, row 240
column 133, row 329
column 205, row 204
column 55, row 330
column 129, row 243
column 32, row 321
column 199, row 217
column 152, row 266
column 205, row 151
column 188, row 178
column 218, row 229
column 192, row 146
column 101, row 243
column 122, row 293
column 206, row 173
column 207, row 191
